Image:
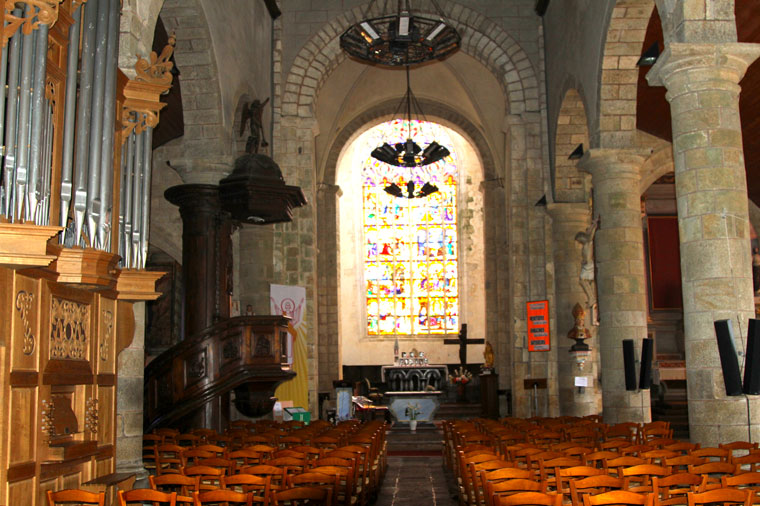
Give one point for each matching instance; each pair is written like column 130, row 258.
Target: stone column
column 567, row 220
column 328, row 282
column 711, row 192
column 621, row 281
column 129, row 400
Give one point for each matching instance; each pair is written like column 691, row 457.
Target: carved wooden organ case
column 67, row 278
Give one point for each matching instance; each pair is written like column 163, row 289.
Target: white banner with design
column 291, row 301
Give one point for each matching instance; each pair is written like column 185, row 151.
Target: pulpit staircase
column 191, row 384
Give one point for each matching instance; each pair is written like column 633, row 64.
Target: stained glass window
column 410, row 245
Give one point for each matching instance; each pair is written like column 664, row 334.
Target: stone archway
column 522, row 179
column 138, row 23
column 571, row 131
column 617, row 93
column 328, row 239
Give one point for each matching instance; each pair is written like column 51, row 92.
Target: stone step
column 427, row 438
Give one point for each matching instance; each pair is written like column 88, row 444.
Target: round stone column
column 567, row 220
column 621, row 281
column 711, row 192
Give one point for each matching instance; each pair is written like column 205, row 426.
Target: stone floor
column 416, row 481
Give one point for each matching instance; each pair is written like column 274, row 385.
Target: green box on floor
column 298, row 414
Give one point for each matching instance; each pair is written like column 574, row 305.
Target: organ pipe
column 67, row 163
column 22, row 140
column 35, row 192
column 9, row 164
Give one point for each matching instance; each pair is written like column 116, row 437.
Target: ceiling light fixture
column 401, row 38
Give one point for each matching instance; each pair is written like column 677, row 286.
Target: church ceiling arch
column 617, row 93
column 434, row 112
column 571, row 130
column 481, row 38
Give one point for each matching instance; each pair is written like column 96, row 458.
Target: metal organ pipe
column 67, row 162
column 35, row 192
column 94, row 205
column 109, row 113
column 83, row 117
column 25, row 99
column 147, row 166
column 9, row 165
column 138, row 185
column 126, row 204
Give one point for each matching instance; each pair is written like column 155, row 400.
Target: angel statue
column 252, row 114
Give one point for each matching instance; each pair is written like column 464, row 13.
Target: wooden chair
column 245, row 458
column 320, row 480
column 142, row 495
column 549, row 470
column 248, row 483
column 266, row 451
column 278, row 475
column 635, row 450
column 227, row 465
column 496, row 490
column 75, row 496
column 530, row 498
column 722, row 496
column 209, row 478
column 713, row 471
column 187, row 440
column 292, row 464
column 599, row 459
column 747, row 463
column 150, row 443
column 627, row 431
column 682, row 447
column 183, row 485
column 618, row 497
column 298, row 496
column 658, row 456
column 672, row 490
column 169, row 458
column 346, row 490
column 617, row 465
column 641, row 476
column 593, row 485
column 738, row 447
column 614, row 445
column 191, row 456
column 568, row 474
column 750, row 481
column 712, row 454
column 215, row 450
column 222, row 497
column 682, row 462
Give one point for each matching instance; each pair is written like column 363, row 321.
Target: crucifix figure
column 463, row 342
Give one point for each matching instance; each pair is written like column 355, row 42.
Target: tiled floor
column 415, row 481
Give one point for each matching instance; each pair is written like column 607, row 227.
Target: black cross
column 463, row 342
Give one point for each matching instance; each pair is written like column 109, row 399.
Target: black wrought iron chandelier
column 401, row 38
column 409, row 153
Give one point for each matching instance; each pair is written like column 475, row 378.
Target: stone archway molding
column 433, row 111
column 138, row 24
column 659, row 163
column 482, row 39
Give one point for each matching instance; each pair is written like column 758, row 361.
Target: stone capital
column 603, row 163
column 330, row 189
column 685, row 67
column 202, row 170
column 489, row 185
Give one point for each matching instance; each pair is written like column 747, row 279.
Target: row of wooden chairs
column 317, row 496
column 477, row 455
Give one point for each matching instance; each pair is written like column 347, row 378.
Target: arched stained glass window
column 410, row 245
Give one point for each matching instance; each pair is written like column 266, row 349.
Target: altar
column 414, row 389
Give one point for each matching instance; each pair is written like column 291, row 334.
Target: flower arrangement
column 412, row 410
column 461, row 376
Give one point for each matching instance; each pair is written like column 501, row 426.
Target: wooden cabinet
column 59, row 344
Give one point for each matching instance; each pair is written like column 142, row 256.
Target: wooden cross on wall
column 463, row 342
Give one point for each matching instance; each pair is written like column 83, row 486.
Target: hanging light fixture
column 401, row 38
column 408, row 153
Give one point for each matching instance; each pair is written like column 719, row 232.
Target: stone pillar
column 567, row 220
column 328, row 282
column 711, row 192
column 621, row 281
column 129, row 400
column 256, row 270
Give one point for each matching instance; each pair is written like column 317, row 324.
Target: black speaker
column 752, row 360
column 629, row 362
column 645, row 373
column 728, row 362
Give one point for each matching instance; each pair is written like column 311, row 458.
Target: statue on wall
column 586, row 280
column 579, row 332
column 252, row 114
column 488, row 357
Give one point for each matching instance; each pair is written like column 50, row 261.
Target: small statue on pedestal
column 579, row 333
column 488, row 359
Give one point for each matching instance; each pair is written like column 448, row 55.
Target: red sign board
column 538, row 325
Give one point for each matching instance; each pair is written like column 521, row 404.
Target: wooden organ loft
column 74, row 208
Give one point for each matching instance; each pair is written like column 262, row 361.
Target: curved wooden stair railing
column 247, row 354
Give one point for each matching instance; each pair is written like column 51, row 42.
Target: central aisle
column 414, row 481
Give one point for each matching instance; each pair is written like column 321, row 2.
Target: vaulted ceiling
column 653, row 111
